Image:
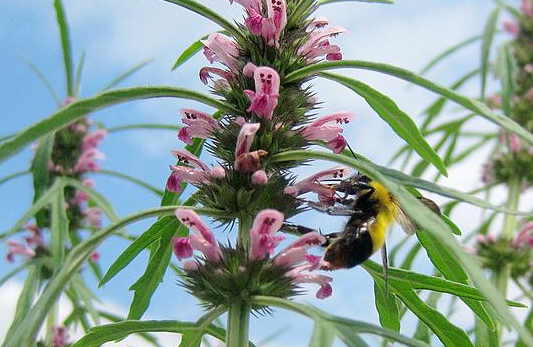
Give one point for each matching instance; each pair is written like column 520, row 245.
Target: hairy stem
column 502, row 276
column 238, row 324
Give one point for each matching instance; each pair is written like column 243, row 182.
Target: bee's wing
column 407, row 224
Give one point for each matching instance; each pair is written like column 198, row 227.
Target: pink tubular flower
column 318, row 44
column 244, row 159
column 263, row 234
column 265, row 98
column 17, row 248
column 312, row 184
column 528, row 68
column 221, row 48
column 527, row 8
column 255, row 5
column 259, row 177
column 199, row 125
column 95, row 257
column 93, row 139
column 205, row 75
column 299, row 276
column 93, row 215
column 202, row 239
column 87, row 160
column 514, row 143
column 60, row 337
column 269, row 28
column 36, row 235
column 512, row 27
column 525, row 236
column 187, row 174
column 327, row 129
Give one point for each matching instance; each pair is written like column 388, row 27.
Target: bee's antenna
column 351, row 150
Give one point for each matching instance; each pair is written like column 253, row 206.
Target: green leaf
column 469, row 103
column 126, row 74
column 116, row 331
column 347, row 329
column 77, row 80
column 189, row 52
column 508, row 75
column 422, row 332
column 399, row 121
column 146, row 285
column 116, row 319
column 449, row 52
column 165, row 224
column 132, row 179
column 12, row 273
column 488, row 37
column 386, row 306
column 450, row 268
column 82, row 107
column 322, row 335
column 86, row 296
column 59, row 228
column 429, row 221
column 209, row 14
column 43, row 79
column 41, row 173
column 143, row 126
column 325, row 2
column 65, row 45
column 26, row 332
column 25, row 299
column 449, row 334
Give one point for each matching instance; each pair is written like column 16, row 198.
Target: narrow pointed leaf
column 59, row 228
column 449, row 52
column 386, row 306
column 488, row 38
column 126, row 74
column 44, row 80
column 82, row 107
column 171, row 127
column 77, row 79
column 322, row 336
column 189, row 52
column 469, row 103
column 132, row 179
column 41, row 173
column 325, row 2
column 398, row 120
column 65, row 45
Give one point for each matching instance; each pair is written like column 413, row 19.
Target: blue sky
column 116, row 35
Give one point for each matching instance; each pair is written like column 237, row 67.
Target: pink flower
column 87, row 160
column 514, row 143
column 528, row 68
column 94, row 257
column 36, row 235
column 317, row 23
column 327, row 129
column 265, row 98
column 259, row 177
column 299, row 276
column 269, row 28
column 527, row 8
column 199, row 125
column 93, row 215
column 313, row 184
column 263, row 234
column 318, row 44
column 202, row 239
column 296, row 252
column 254, row 22
column 494, row 101
column 511, row 27
column 182, row 174
column 529, row 95
column 205, row 74
column 486, row 175
column 525, row 236
column 93, row 139
column 221, row 48
column 244, row 159
column 255, row 5
column 17, row 248
column 60, row 337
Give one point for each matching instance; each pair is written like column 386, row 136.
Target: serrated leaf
column 116, row 331
column 450, row 268
column 80, row 108
column 165, row 224
column 469, row 103
column 386, row 306
column 65, row 45
column 488, row 37
column 398, row 120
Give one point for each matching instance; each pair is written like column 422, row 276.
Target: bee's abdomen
column 351, row 249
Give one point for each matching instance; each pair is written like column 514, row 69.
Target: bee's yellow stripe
column 387, row 211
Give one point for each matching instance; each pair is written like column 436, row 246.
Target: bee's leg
column 296, row 229
column 333, row 210
column 385, row 261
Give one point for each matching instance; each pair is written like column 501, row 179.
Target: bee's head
column 356, row 185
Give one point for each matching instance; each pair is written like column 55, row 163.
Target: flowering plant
column 266, row 120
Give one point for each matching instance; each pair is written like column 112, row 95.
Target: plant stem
column 238, row 324
column 502, row 276
column 50, row 324
column 245, row 225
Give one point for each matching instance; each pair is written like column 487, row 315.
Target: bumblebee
column 372, row 209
